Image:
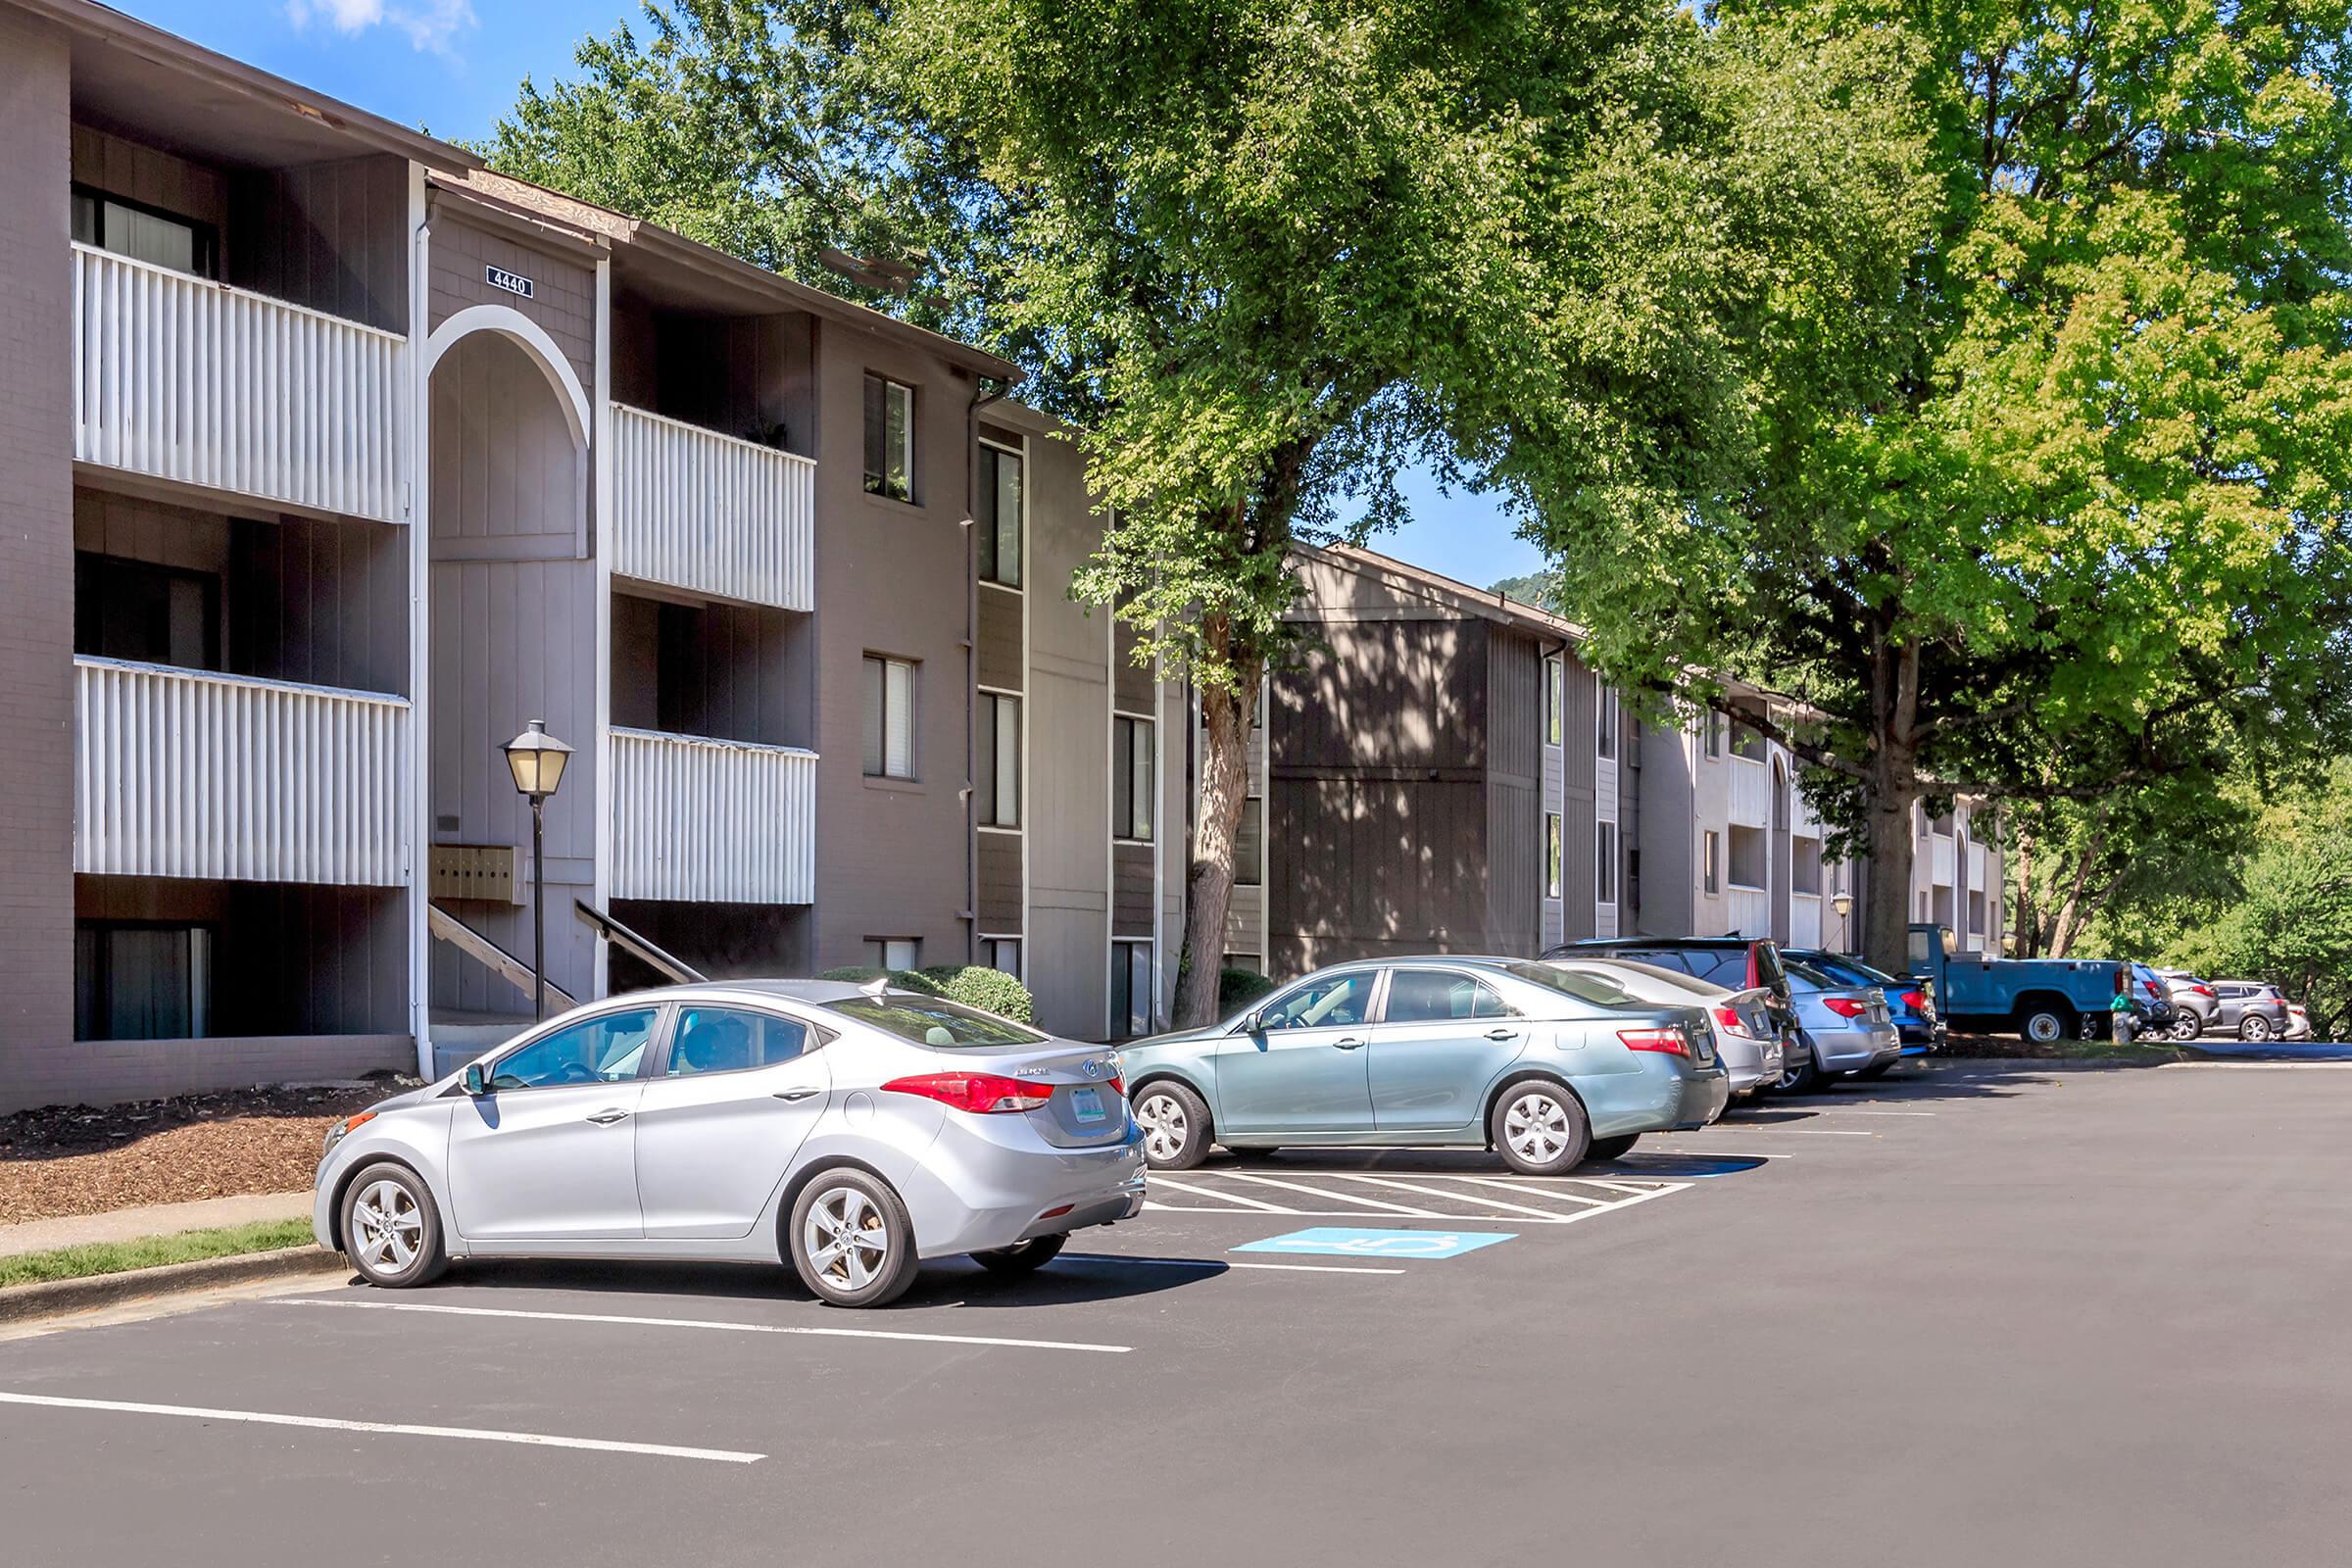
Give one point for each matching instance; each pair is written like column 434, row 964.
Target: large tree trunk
column 1208, row 882
column 1890, row 793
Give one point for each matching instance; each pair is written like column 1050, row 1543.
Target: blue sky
column 451, row 66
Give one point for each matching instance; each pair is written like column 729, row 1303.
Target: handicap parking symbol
column 1334, row 1241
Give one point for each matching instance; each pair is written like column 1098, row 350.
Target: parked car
column 1545, row 1067
column 2298, row 1021
column 1745, row 1037
column 851, row 1131
column 2197, row 1006
column 1737, row 964
column 1914, row 1011
column 2152, row 1001
column 2251, row 1009
column 1847, row 1027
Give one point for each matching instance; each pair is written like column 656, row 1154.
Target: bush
column 988, row 989
column 1238, row 988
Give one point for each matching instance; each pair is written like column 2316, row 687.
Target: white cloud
column 429, row 23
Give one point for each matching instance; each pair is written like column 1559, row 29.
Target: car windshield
column 931, row 1021
column 1583, row 984
column 1672, row 980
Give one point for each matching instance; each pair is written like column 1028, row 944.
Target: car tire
column 850, row 1239
column 1538, row 1127
column 1616, row 1148
column 1175, row 1123
column 1022, row 1257
column 391, row 1228
column 1877, row 1069
column 2045, row 1026
column 2187, row 1026
column 2254, row 1027
column 1802, row 1079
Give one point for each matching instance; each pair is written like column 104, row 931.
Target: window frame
column 1604, row 862
column 1710, row 861
column 881, row 960
column 1604, row 723
column 878, row 481
column 203, row 948
column 1555, row 854
column 1124, row 954
column 1128, row 731
column 98, row 581
column 1555, row 698
column 988, row 520
column 989, row 780
column 1388, row 993
column 988, row 953
column 1372, row 1001
column 882, row 663
column 204, row 245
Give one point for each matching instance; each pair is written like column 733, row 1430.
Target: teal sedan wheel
column 1175, row 1124
column 1539, row 1128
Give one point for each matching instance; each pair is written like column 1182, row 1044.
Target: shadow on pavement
column 942, row 1282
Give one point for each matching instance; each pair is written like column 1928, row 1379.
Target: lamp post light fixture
column 1843, row 904
column 537, row 760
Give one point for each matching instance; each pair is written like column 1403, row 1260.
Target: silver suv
column 2197, row 1006
column 2252, row 1010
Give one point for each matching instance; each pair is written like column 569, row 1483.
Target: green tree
column 2289, row 919
column 2043, row 485
column 1276, row 254
column 2115, row 876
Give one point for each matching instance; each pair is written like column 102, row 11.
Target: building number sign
column 511, row 282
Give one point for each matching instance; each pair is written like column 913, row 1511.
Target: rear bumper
column 989, row 1182
column 1851, row 1050
column 1703, row 1100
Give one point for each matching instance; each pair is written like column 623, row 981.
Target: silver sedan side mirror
column 475, row 1082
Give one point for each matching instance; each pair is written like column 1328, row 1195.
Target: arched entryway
column 510, row 611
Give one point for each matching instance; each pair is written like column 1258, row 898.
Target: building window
column 894, row 952
column 1240, row 961
column 1604, row 865
column 1748, row 866
column 1000, row 516
column 1710, row 861
column 1130, row 989
column 1002, row 952
column 1555, row 698
column 1249, row 844
column 142, row 982
column 1132, row 774
column 136, row 609
column 145, row 233
column 889, row 438
column 997, row 789
column 889, row 717
column 1748, row 741
column 1711, row 724
column 1605, row 726
column 1805, row 866
column 1552, row 855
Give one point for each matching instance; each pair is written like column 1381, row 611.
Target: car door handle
column 1349, row 1044
column 1502, row 1034
column 795, row 1094
column 605, row 1118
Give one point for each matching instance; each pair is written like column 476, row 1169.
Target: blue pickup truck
column 2044, row 1000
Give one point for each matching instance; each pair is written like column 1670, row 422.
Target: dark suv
column 1736, row 963
column 2250, row 1009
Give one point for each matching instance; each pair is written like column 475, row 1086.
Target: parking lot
column 1987, row 1313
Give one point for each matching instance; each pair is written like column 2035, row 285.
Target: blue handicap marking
column 1339, row 1240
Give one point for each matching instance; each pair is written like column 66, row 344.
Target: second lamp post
column 537, row 760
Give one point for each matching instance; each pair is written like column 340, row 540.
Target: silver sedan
column 851, row 1130
column 1746, row 1042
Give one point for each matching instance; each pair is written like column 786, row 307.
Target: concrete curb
column 56, row 1297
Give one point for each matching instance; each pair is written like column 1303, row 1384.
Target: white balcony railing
column 181, row 772
column 183, row 379
column 1805, row 920
column 1750, row 793
column 1750, row 910
column 1939, row 860
column 713, row 822
column 697, row 510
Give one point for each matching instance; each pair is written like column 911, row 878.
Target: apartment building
column 1433, row 769
column 330, row 459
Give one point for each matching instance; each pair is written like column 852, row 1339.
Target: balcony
column 712, row 821
column 186, row 774
column 695, row 509
column 183, row 379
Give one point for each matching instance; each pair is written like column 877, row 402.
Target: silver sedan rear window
column 930, row 1022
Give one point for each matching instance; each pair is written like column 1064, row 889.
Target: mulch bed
column 73, row 1159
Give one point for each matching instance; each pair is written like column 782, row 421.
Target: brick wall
column 36, row 568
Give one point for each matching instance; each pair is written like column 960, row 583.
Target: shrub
column 1238, row 988
column 988, row 989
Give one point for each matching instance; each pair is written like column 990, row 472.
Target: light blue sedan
column 1847, row 1026
column 1545, row 1067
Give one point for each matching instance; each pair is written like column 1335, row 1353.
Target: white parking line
column 718, row 1324
column 273, row 1418
column 1491, row 1203
column 1337, row 1197
column 1219, row 1263
column 1155, row 1179
column 1509, row 1186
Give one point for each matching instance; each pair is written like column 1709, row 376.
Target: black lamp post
column 537, row 760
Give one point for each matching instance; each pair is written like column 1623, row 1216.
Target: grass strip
column 148, row 1252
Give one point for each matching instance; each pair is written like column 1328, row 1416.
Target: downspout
column 419, row 759
column 981, row 399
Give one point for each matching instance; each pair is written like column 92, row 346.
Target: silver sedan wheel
column 388, row 1229
column 846, row 1239
column 1165, row 1126
column 1536, row 1126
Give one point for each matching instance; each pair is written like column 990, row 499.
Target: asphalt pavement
column 1999, row 1313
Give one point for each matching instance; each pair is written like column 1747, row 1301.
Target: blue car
column 1847, row 1028
column 1907, row 1000
column 1545, row 1067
